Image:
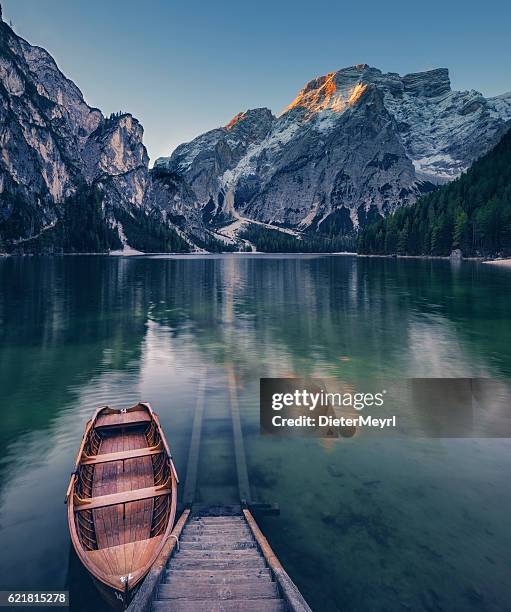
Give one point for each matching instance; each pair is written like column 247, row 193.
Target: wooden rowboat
column 121, row 500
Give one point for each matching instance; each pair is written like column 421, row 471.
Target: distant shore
column 448, row 257
column 499, row 262
column 133, row 253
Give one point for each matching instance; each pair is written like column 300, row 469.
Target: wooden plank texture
column 122, row 455
column 115, row 538
column 192, row 577
column 258, row 590
column 243, row 605
column 193, row 453
column 125, row 497
column 217, row 572
column 116, row 419
column 113, row 486
column 144, row 598
column 293, row 597
column 239, row 446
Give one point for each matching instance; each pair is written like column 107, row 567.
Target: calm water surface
column 365, row 524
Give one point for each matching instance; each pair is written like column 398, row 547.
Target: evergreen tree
column 460, row 230
column 473, row 213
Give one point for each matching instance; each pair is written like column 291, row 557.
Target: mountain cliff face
column 353, row 145
column 201, row 161
column 470, row 216
column 58, row 153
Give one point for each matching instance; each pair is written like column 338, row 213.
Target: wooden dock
column 217, row 559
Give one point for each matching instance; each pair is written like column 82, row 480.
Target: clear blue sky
column 183, row 66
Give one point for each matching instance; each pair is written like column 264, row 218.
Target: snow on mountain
column 202, row 162
column 353, row 144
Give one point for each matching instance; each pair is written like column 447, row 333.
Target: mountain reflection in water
column 366, row 523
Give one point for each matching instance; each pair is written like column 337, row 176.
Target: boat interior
column 123, row 497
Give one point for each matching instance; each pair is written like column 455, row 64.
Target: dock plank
column 248, row 590
column 243, row 605
column 221, row 566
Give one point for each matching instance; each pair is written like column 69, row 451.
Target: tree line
column 84, row 225
column 473, row 214
column 268, row 240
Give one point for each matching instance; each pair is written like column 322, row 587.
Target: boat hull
column 121, row 499
column 115, row 599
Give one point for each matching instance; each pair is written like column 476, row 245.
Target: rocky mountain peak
column 335, row 91
column 55, row 146
column 235, row 120
column 354, row 143
column 248, row 126
column 218, row 151
column 251, row 115
column 428, row 84
column 116, row 148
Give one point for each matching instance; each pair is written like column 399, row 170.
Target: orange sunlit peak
column 317, row 95
column 324, row 94
column 357, row 93
column 234, row 120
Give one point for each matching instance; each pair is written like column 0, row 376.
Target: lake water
column 366, row 523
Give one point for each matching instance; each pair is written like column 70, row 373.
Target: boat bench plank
column 125, row 497
column 138, row 417
column 122, row 455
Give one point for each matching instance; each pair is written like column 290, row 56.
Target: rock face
column 352, row 145
column 54, row 146
column 202, row 162
column 53, row 142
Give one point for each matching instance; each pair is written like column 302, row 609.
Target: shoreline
column 504, row 262
column 118, row 255
column 445, row 257
column 499, row 262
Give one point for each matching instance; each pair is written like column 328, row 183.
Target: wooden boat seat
column 102, row 501
column 121, row 455
column 122, row 419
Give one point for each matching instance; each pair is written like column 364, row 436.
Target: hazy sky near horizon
column 183, row 68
